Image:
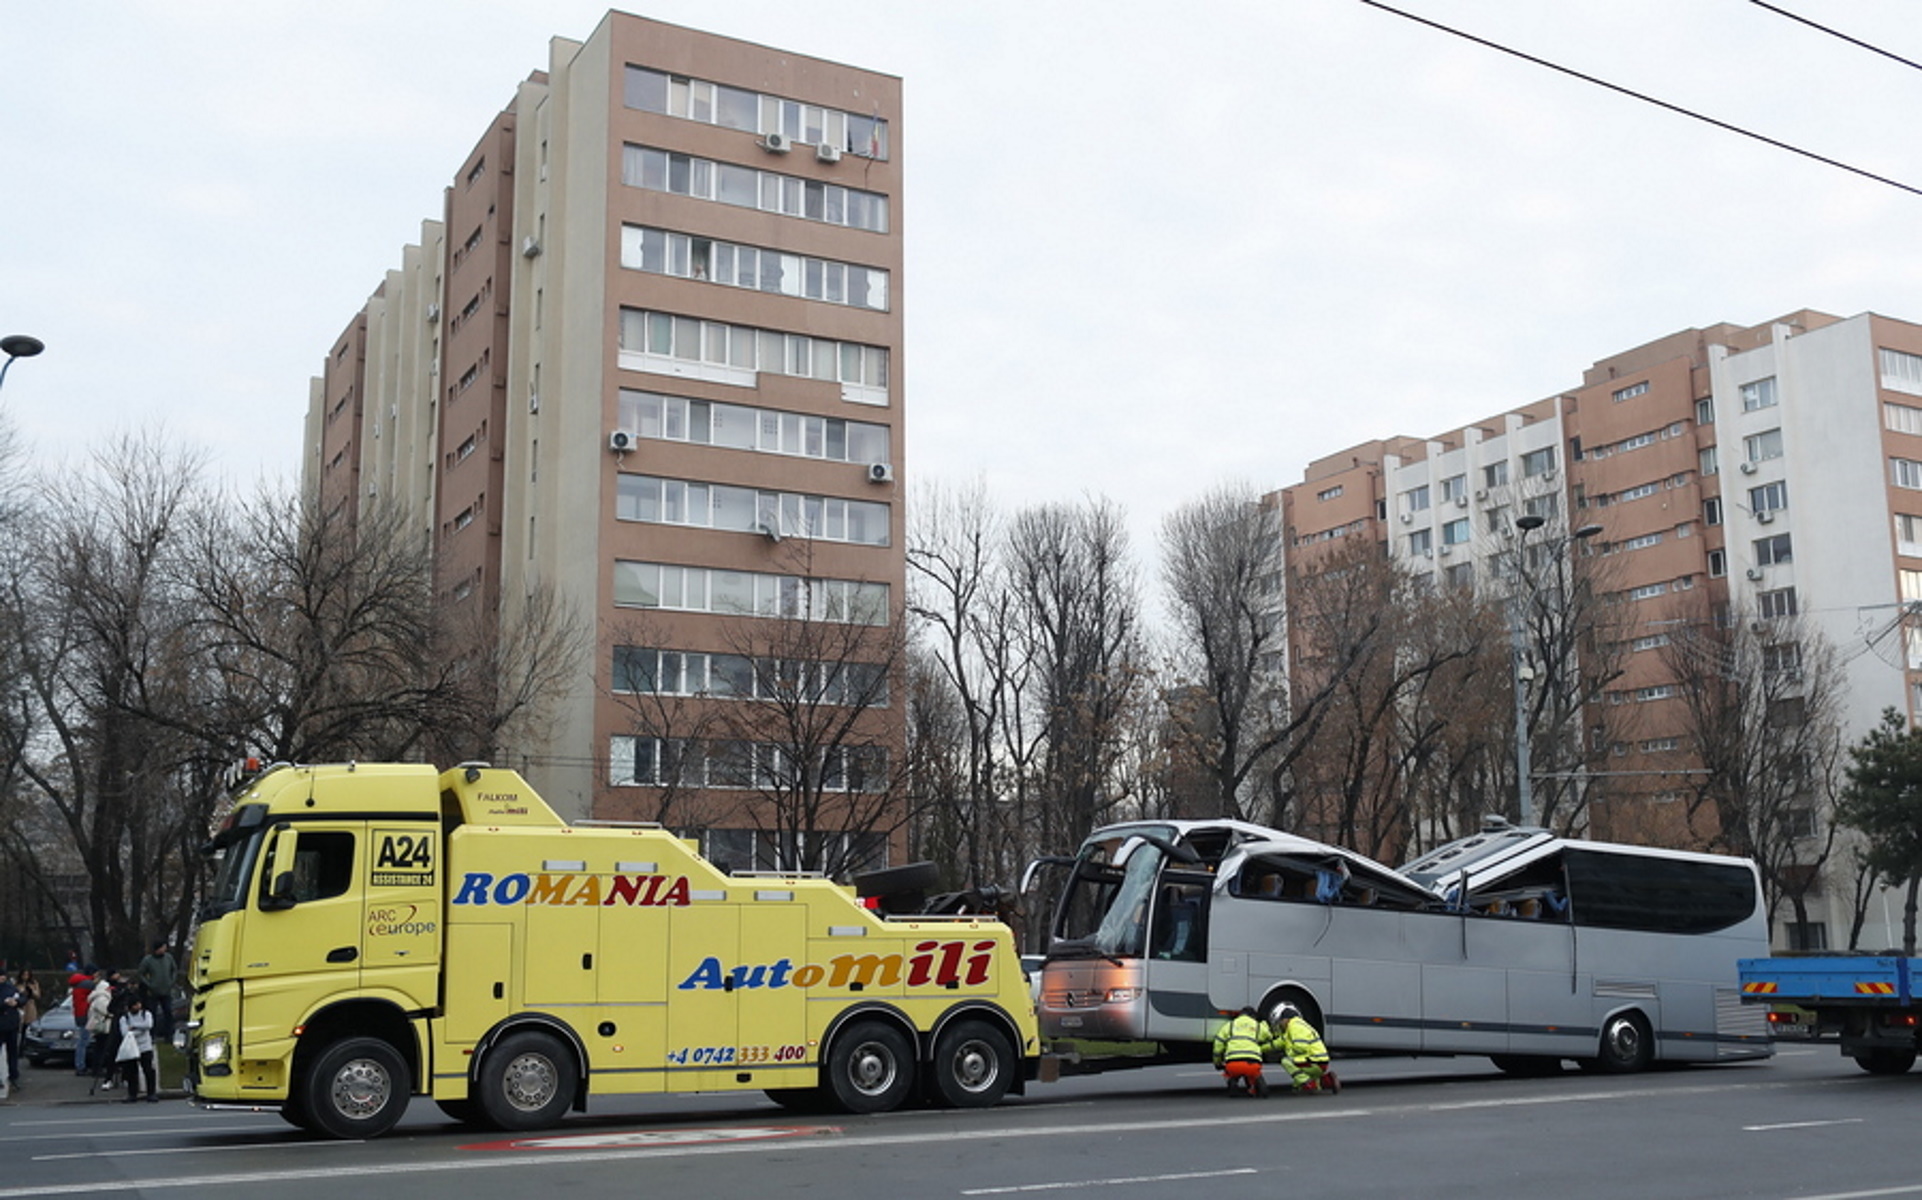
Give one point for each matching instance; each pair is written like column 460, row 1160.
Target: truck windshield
column 233, row 868
column 1104, row 908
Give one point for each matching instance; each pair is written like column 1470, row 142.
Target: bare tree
column 509, row 670
column 1762, row 703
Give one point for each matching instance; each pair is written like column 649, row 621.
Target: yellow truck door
column 302, row 944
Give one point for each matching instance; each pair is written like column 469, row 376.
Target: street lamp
column 1524, row 785
column 18, row 345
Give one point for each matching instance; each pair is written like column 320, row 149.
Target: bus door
column 1177, row 958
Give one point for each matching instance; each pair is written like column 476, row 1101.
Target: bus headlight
column 1122, row 995
column 213, row 1049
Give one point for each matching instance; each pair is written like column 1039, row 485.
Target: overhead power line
column 1854, row 41
column 1644, row 98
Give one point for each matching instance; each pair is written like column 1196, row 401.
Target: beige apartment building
column 1764, row 482
column 650, row 357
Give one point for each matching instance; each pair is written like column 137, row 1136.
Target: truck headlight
column 213, row 1049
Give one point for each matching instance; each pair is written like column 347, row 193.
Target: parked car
column 49, row 1040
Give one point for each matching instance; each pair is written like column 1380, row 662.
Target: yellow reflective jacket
column 1243, row 1039
column 1300, row 1043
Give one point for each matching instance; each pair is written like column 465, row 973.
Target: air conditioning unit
column 1461, row 502
column 620, row 441
column 1748, row 468
column 1764, row 517
column 777, row 143
column 433, row 313
column 880, row 473
column 1481, row 493
column 827, row 152
column 533, row 402
column 1754, row 574
column 1408, row 518
column 530, row 247
column 1446, row 550
column 1548, row 476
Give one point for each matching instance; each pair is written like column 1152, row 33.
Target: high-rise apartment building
column 650, row 357
column 1763, row 483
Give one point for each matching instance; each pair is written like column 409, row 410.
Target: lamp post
column 1518, row 651
column 18, row 345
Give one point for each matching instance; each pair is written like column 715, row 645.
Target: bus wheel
column 358, row 1088
column 1885, row 1061
column 1526, row 1066
column 972, row 1061
column 871, row 1068
column 527, row 1082
column 1310, row 1011
column 1626, row 1045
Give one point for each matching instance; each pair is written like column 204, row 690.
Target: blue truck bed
column 1830, row 979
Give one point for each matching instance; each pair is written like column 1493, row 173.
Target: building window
column 1770, row 497
column 1906, row 473
column 1648, row 591
column 1760, row 447
column 1636, row 492
column 1779, row 603
column 1538, row 462
column 1544, row 506
column 1705, row 411
column 1654, row 641
column 746, row 187
column 1456, row 532
column 1807, row 935
column 1660, row 691
column 1909, row 584
column 1454, row 488
column 1902, row 418
column 1461, row 576
column 740, row 427
column 1328, row 493
column 1717, row 564
column 1712, row 511
column 777, row 515
column 662, row 337
column 749, row 593
column 1660, row 745
column 645, row 670
column 1901, row 372
column 1415, row 500
column 754, row 112
column 1421, row 543
column 1631, row 391
column 1642, row 541
column 661, row 252
column 1495, row 474
column 1760, row 394
column 1772, row 551
column 1908, row 539
column 1706, row 460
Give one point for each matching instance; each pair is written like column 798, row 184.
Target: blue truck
column 1866, row 1002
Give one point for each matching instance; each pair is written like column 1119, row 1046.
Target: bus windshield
column 1104, row 907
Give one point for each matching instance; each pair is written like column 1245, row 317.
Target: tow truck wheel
column 464, row 1111
column 1886, row 1062
column 972, row 1061
column 802, row 1099
column 527, row 1082
column 871, row 1068
column 358, row 1088
column 294, row 1112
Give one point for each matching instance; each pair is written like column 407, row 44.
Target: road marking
column 480, row 1162
column 1905, row 1190
column 1802, row 1124
column 654, row 1139
column 294, row 1145
column 1088, row 1183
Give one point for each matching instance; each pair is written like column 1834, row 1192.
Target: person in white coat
column 135, row 1050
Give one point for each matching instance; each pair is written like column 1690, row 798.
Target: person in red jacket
column 81, row 981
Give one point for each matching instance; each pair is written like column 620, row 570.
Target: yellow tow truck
column 380, row 931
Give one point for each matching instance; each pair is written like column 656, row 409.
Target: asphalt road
column 1806, row 1124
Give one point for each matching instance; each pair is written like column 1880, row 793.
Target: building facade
column 649, row 360
column 1734, row 495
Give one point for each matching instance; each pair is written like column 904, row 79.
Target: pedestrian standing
column 10, row 1024
column 29, row 987
column 135, row 1053
column 157, row 973
column 80, row 983
column 100, row 1019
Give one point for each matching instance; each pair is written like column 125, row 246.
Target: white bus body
column 1512, row 943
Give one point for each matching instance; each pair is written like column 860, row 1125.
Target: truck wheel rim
column 871, row 1069
column 530, row 1083
column 975, row 1066
column 361, row 1089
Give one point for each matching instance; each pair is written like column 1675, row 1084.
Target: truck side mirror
column 280, row 897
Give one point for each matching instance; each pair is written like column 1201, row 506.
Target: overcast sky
column 1150, row 247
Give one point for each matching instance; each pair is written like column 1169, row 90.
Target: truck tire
column 357, row 1088
column 1885, row 1061
column 464, row 1111
column 870, row 1068
column 806, row 1100
column 526, row 1082
column 973, row 1065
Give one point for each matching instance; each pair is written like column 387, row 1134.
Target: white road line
column 188, row 1150
column 503, row 1161
column 1909, row 1189
column 1088, row 1183
column 1802, row 1125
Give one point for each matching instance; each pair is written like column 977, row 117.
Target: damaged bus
column 1512, row 943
